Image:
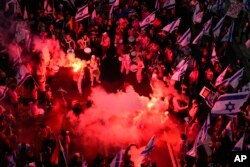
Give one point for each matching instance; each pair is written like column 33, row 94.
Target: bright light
column 76, row 66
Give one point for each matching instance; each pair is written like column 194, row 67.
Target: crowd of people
column 115, row 32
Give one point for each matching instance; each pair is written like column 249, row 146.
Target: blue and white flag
column 219, row 4
column 157, row 5
column 22, row 75
column 3, row 90
column 214, row 57
column 246, row 4
column 198, row 38
column 179, row 72
column 185, row 39
column 169, row 4
column 229, row 35
column 172, row 26
column 93, row 15
column 149, row 147
column 111, row 12
column 82, row 13
column 234, row 80
column 229, row 130
column 229, row 103
column 147, row 21
column 217, row 28
column 117, row 161
column 114, row 2
column 201, row 137
column 221, row 77
column 240, row 144
column 207, row 26
column 198, row 15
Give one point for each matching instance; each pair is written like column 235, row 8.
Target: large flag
column 229, row 35
column 179, row 72
column 3, row 90
column 240, row 144
column 172, row 26
column 185, row 39
column 82, row 13
column 148, row 20
column 229, row 130
column 201, row 137
column 117, row 161
column 217, row 28
column 214, row 57
column 149, row 147
column 229, row 103
column 207, row 26
column 22, row 75
column 198, row 38
column 157, row 5
column 114, row 2
column 221, row 77
column 169, row 4
column 234, row 80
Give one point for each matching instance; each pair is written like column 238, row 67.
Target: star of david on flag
column 230, row 103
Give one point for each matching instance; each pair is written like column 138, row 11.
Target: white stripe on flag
column 148, row 20
column 201, row 137
column 149, row 147
column 117, row 161
column 229, row 103
column 229, row 35
column 221, row 77
column 217, row 28
column 234, row 80
column 185, row 39
column 172, row 26
column 239, row 145
column 82, row 13
column 169, row 4
column 198, row 38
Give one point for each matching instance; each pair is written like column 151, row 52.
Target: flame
column 76, row 66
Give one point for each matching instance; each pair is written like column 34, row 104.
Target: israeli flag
column 229, row 103
column 239, row 145
column 198, row 38
column 221, row 77
column 115, row 3
column 3, row 90
column 217, row 28
column 201, row 137
column 172, row 26
column 117, row 161
column 157, row 5
column 185, row 39
column 214, row 57
column 229, row 130
column 169, row 4
column 234, row 80
column 179, row 72
column 147, row 21
column 82, row 13
column 149, row 147
column 207, row 26
column 198, row 15
column 229, row 35
column 22, row 75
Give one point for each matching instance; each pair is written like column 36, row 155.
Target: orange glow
column 76, row 66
